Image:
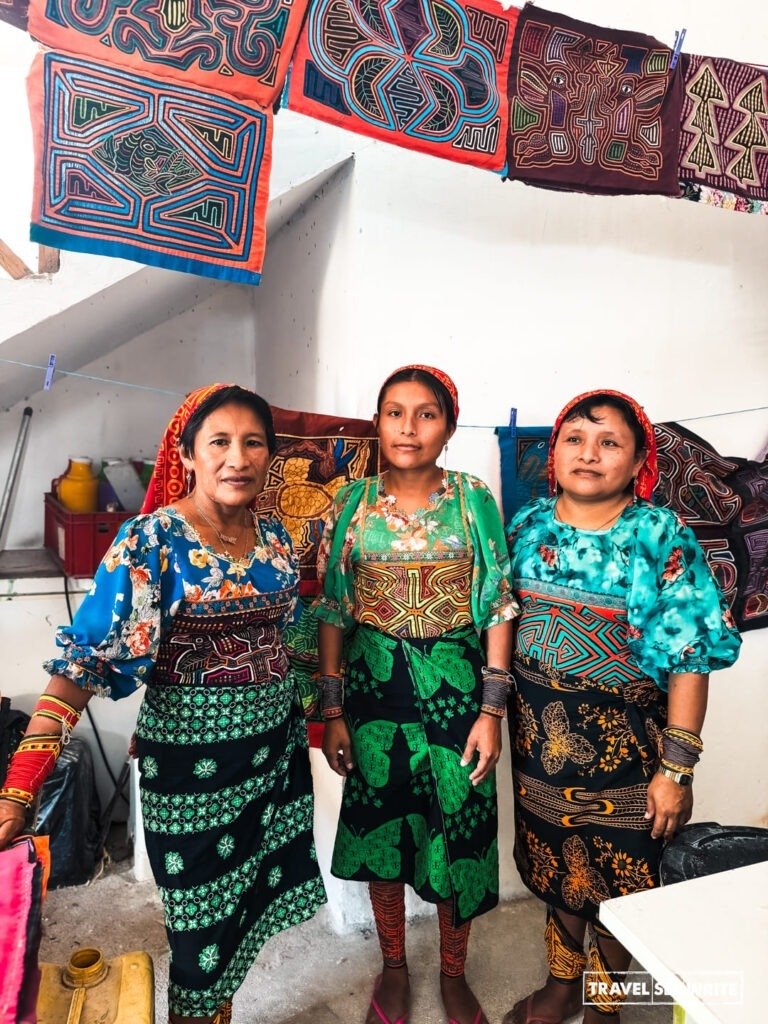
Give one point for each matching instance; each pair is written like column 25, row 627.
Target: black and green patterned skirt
column 227, row 803
column 409, row 812
column 583, row 754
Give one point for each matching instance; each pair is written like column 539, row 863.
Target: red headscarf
column 167, row 482
column 439, row 375
column 648, row 473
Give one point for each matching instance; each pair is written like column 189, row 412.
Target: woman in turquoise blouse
column 621, row 623
column 415, row 570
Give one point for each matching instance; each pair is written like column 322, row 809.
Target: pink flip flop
column 380, row 1013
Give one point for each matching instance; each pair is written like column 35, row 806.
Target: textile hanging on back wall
column 592, row 109
column 316, row 456
column 131, row 166
column 723, row 500
column 428, row 75
column 724, row 134
column 239, row 48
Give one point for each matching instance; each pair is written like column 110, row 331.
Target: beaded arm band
column 680, row 750
column 497, row 683
column 36, row 755
column 331, row 687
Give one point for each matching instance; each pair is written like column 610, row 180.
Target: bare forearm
column 329, row 642
column 687, row 701
column 498, row 645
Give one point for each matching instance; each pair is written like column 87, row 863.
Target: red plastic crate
column 79, row 540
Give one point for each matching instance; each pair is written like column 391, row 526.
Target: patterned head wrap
column 648, row 473
column 167, row 481
column 439, row 375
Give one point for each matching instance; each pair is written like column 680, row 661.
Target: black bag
column 70, row 813
column 706, row 848
column 13, row 725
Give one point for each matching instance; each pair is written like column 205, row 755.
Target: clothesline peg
column 513, row 419
column 49, row 372
column 679, row 37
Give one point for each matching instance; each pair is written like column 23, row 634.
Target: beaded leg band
column 565, row 956
column 388, row 903
column 453, row 941
column 36, row 755
column 601, row 990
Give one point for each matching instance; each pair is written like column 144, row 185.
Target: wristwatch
column 681, row 778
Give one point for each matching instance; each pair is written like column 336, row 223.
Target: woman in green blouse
column 415, row 572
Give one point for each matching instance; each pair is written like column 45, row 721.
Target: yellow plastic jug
column 92, row 990
column 78, row 488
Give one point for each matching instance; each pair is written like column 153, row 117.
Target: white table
column 711, row 930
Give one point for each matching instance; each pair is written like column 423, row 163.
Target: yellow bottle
column 78, row 488
column 92, row 990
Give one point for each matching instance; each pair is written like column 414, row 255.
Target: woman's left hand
column 485, row 740
column 669, row 804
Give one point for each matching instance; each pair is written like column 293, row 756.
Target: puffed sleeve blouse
column 677, row 617
column 156, row 563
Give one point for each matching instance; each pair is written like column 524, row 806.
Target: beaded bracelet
column 331, row 687
column 680, row 749
column 496, row 686
column 36, row 755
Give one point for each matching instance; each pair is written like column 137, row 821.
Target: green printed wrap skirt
column 409, row 812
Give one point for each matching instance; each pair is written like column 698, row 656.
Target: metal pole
column 13, row 472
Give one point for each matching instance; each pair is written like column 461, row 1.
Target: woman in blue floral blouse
column 621, row 623
column 191, row 600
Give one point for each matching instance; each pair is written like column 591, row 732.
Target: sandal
column 479, row 1018
column 380, row 1013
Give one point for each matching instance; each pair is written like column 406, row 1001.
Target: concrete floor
column 309, row 975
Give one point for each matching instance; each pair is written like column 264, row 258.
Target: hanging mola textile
column 724, row 134
column 592, row 109
column 240, row 48
column 428, row 75
column 316, row 456
column 132, row 166
column 15, row 12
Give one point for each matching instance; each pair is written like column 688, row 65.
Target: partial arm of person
column 493, row 609
column 485, row 735
column 670, row 804
column 337, row 743
column 54, row 717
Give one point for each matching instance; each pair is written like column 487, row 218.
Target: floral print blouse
column 677, row 618
column 461, row 521
column 157, row 563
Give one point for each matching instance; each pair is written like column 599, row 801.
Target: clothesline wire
column 181, row 394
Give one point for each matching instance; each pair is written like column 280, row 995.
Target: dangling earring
column 188, row 480
column 634, row 490
column 445, row 458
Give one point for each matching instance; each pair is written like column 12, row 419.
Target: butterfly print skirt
column 409, row 812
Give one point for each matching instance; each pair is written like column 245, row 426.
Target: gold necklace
column 225, row 539
column 592, row 529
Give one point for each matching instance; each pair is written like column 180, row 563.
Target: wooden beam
column 48, row 260
column 11, row 263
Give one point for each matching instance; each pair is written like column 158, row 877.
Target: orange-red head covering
column 439, row 375
column 649, row 471
column 167, row 481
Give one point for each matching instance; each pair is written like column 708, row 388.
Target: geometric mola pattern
column 577, row 639
column 238, row 47
column 428, row 75
column 131, row 167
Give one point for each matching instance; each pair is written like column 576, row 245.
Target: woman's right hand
column 13, row 819
column 337, row 746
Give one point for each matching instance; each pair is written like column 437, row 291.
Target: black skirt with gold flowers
column 583, row 753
